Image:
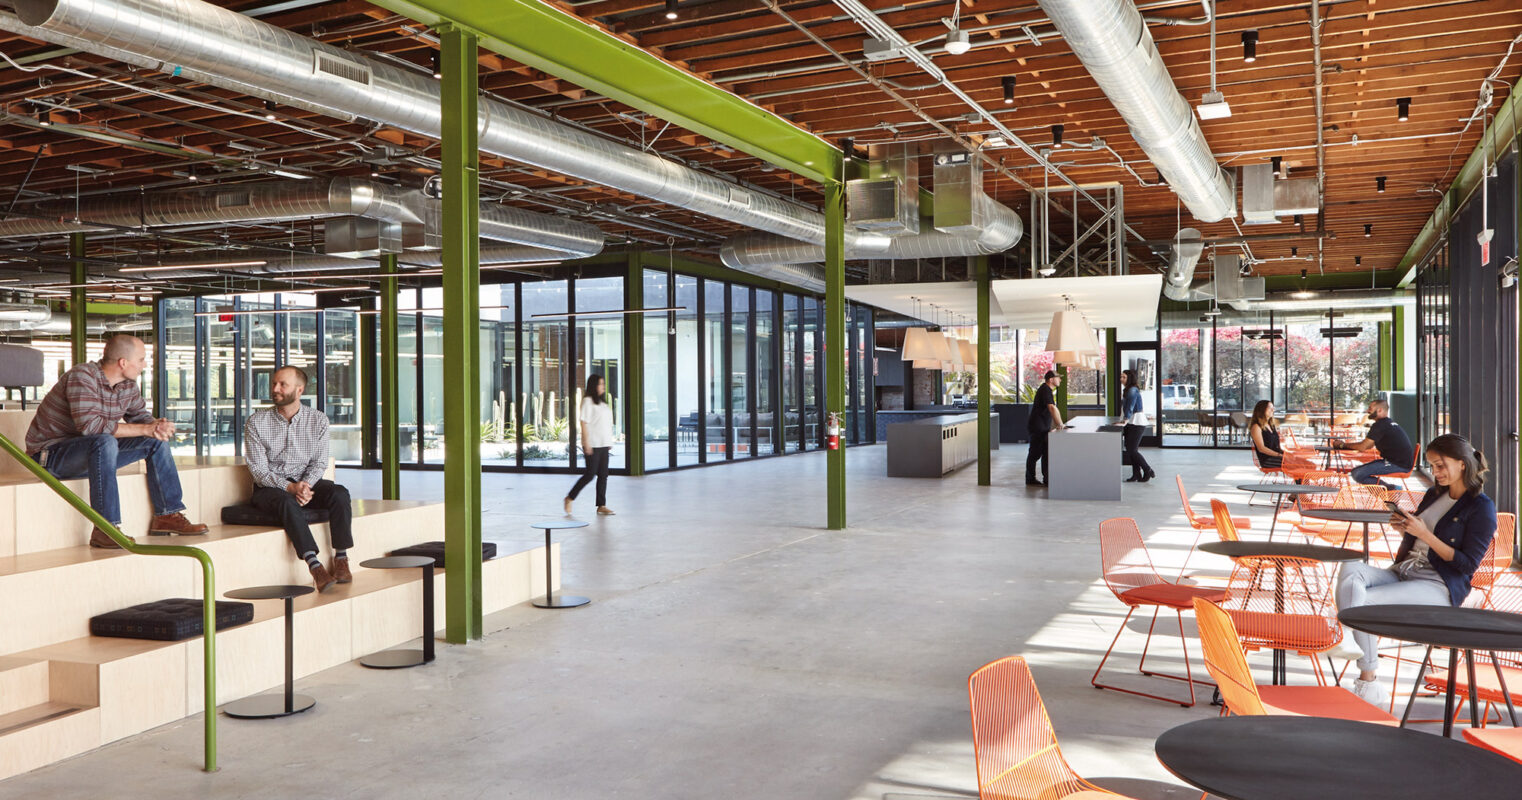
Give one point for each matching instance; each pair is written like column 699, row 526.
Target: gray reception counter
column 935, row 446
column 1084, row 460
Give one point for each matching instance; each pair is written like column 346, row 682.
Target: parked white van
column 1178, row 395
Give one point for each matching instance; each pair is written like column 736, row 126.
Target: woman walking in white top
column 596, row 421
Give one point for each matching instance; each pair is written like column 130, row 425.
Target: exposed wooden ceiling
column 1437, row 52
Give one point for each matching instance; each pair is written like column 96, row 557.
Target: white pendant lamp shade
column 928, row 365
column 939, row 350
column 969, row 353
column 918, row 347
column 1064, row 357
column 1070, row 331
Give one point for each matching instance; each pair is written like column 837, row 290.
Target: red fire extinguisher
column 832, row 430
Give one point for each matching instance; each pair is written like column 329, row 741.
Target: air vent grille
column 340, row 68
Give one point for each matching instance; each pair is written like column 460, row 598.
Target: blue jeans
column 1369, row 473
column 1360, row 584
column 99, row 457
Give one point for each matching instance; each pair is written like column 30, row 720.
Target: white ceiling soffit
column 954, row 302
column 1110, row 301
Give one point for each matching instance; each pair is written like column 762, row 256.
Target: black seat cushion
column 435, row 550
column 167, row 620
column 248, row 514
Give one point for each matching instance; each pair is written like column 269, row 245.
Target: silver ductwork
column 308, row 262
column 1112, row 41
column 274, row 201
column 1187, row 249
column 1356, row 298
column 224, row 48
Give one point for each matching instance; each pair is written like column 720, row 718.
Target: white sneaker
column 1347, row 650
column 1371, row 692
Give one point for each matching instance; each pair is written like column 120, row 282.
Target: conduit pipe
column 1116, row 47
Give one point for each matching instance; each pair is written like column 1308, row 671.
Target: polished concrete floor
column 734, row 648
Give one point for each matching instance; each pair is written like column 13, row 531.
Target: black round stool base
column 561, row 601
column 393, row 659
column 266, row 706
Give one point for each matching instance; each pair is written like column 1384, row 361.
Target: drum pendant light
column 969, row 353
column 917, row 346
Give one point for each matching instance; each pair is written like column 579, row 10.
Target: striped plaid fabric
column 84, row 403
column 280, row 451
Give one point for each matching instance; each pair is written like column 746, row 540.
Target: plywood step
column 23, row 683
column 39, row 714
column 41, row 734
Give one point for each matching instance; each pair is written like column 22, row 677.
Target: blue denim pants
column 99, row 457
column 1369, row 473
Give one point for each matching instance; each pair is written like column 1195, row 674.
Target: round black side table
column 552, row 599
column 265, row 706
column 400, row 658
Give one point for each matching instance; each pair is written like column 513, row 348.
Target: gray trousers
column 1360, row 584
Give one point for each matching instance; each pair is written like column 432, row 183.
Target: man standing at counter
column 1044, row 418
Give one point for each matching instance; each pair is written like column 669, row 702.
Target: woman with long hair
column 596, row 423
column 1264, row 431
column 1441, row 546
column 1130, row 405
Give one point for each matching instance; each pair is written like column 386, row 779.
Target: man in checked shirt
column 93, row 422
column 286, row 447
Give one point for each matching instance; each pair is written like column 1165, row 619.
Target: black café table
column 1367, row 516
column 1274, row 758
column 1454, row 628
column 1279, row 490
column 551, row 598
column 1314, row 552
column 287, row 702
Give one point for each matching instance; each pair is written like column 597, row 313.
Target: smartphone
column 1395, row 508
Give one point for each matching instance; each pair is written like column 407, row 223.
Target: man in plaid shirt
column 93, row 422
column 286, row 447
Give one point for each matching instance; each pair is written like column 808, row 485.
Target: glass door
column 1142, row 357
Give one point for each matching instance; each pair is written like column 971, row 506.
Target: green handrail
column 208, row 602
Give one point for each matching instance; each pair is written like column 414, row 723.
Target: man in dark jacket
column 1044, row 418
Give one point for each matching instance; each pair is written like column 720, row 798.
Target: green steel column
column 79, row 338
column 634, row 364
column 390, row 396
column 462, row 336
column 985, row 403
column 1386, row 358
column 1398, row 344
column 835, row 344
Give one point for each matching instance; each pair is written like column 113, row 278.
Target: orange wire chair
column 1227, row 663
column 1013, row 741
column 1406, row 476
column 1200, row 524
column 1282, row 603
column 1129, row 573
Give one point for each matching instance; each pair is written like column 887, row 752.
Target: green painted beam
column 79, row 337
column 538, row 35
column 1505, row 128
column 462, row 336
column 835, row 346
column 634, row 364
column 1398, row 345
column 388, row 345
column 1062, row 394
column 1386, row 358
column 1112, row 374
column 985, row 399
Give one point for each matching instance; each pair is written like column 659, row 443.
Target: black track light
column 1057, row 135
column 44, row 119
column 269, row 110
column 1295, row 253
column 670, row 9
column 1160, row 179
column 1379, row 183
column 1357, row 261
column 1302, row 274
column 191, row 175
column 1403, row 109
column 438, row 67
column 1009, row 89
column 1278, row 162
column 1249, row 46
column 1368, row 230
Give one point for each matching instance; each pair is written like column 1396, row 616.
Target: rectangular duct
column 1228, row 278
column 360, row 237
column 958, row 184
column 1258, row 194
column 1296, row 196
column 887, row 200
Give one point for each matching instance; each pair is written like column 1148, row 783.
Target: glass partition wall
column 1312, row 366
column 732, row 373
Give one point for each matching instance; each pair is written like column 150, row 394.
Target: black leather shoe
column 1035, row 483
column 1134, row 479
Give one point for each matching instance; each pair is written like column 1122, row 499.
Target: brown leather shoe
column 340, row 570
column 176, row 524
column 102, row 540
column 321, row 578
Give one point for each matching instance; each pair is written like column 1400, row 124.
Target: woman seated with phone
column 1441, row 546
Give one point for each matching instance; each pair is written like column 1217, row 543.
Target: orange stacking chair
column 1199, row 523
column 1505, row 741
column 1013, row 741
column 1314, row 527
column 1227, row 663
column 1227, row 531
column 1129, row 573
column 1283, row 603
